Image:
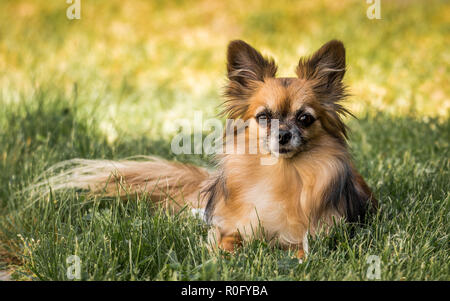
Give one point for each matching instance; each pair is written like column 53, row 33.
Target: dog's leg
column 225, row 242
column 230, row 242
column 300, row 254
column 299, row 251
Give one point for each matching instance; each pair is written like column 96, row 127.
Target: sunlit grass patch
column 112, row 85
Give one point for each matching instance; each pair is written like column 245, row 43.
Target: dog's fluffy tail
column 173, row 182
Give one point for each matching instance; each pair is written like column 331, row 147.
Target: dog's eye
column 306, row 120
column 263, row 117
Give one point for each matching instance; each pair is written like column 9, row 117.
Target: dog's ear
column 246, row 64
column 326, row 68
column 246, row 68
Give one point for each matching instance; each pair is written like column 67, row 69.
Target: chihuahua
column 312, row 184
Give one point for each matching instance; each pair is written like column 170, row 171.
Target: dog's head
column 306, row 107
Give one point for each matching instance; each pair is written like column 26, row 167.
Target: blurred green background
column 145, row 63
column 112, row 84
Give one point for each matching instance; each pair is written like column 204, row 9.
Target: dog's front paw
column 230, row 243
column 300, row 255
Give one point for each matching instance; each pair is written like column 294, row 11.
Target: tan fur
column 311, row 185
column 171, row 183
column 283, row 198
column 281, row 202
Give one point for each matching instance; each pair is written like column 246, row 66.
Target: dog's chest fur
column 280, row 199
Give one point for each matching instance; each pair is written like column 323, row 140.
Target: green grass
column 111, row 84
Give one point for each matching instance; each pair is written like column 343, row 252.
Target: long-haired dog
column 312, row 183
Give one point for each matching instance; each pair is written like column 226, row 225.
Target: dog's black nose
column 284, row 137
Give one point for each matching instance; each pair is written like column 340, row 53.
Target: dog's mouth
column 285, row 152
